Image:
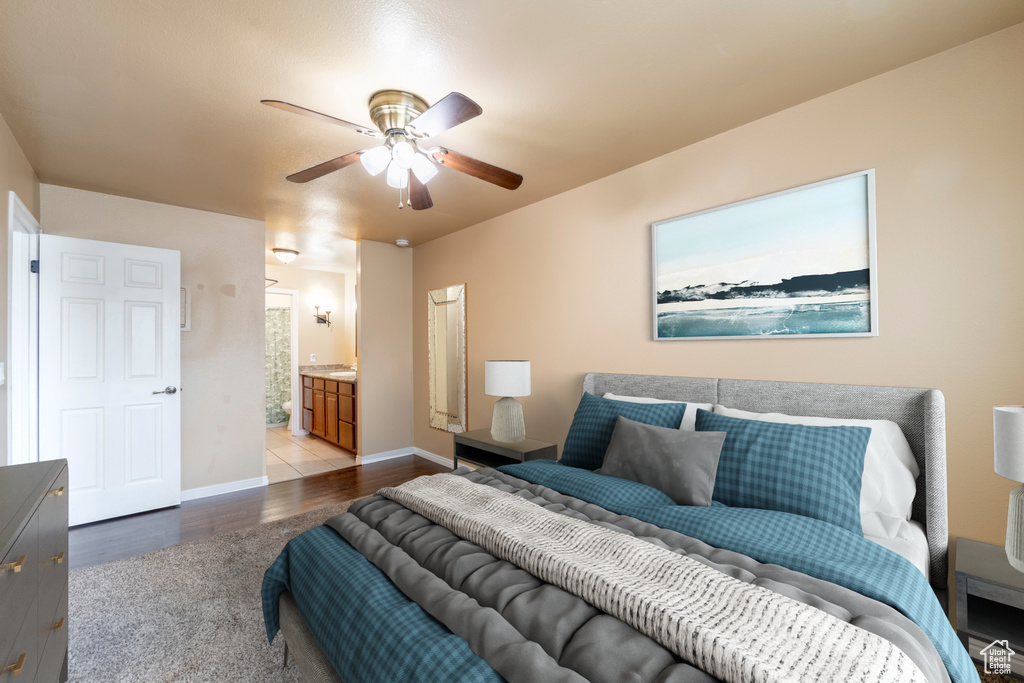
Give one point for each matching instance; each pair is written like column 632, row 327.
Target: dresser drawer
column 330, row 386
column 346, row 388
column 18, row 588
column 53, row 520
column 53, row 641
column 24, row 654
column 318, row 383
column 307, row 381
column 52, row 584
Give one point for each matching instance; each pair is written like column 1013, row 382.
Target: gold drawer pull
column 15, row 669
column 56, row 492
column 59, row 626
column 14, row 566
column 58, row 558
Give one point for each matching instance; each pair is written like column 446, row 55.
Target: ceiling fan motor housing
column 392, row 110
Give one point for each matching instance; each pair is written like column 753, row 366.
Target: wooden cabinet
column 319, row 413
column 331, row 423
column 329, row 410
column 34, row 572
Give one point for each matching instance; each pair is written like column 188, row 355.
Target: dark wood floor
column 100, row 542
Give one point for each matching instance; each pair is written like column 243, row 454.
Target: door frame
column 22, row 334
column 297, row 429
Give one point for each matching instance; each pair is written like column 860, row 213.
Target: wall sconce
column 322, row 319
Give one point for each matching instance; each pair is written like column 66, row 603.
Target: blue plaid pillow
column 810, row 471
column 594, row 422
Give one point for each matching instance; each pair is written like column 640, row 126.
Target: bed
column 340, row 594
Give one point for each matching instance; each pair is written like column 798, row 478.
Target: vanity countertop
column 326, row 374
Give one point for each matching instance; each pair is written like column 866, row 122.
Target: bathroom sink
column 348, row 374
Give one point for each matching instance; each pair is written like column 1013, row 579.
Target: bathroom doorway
column 282, row 360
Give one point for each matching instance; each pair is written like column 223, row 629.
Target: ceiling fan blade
column 419, row 195
column 476, row 168
column 447, row 113
column 323, row 169
column 295, row 109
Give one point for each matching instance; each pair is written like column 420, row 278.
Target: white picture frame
column 796, row 263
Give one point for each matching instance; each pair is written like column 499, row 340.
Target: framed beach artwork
column 795, row 263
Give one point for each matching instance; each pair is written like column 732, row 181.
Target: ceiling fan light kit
column 403, row 120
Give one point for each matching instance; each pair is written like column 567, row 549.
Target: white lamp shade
column 398, row 177
column 375, row 159
column 403, row 154
column 1008, row 435
column 423, row 168
column 507, row 377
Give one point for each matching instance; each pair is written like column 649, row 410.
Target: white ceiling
column 159, row 99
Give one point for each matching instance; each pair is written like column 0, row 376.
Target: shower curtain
column 279, row 363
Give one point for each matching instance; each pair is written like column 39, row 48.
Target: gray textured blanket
column 529, row 630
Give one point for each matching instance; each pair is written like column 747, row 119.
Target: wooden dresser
column 329, row 410
column 34, row 572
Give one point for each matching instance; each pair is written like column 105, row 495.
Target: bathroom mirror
column 446, row 337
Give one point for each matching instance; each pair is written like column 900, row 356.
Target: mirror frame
column 456, row 294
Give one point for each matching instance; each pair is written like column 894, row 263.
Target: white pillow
column 689, row 422
column 887, row 486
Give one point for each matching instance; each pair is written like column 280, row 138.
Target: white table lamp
column 1008, row 433
column 507, row 378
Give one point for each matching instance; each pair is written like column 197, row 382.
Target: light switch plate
column 312, row 358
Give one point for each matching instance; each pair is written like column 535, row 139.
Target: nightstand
column 479, row 448
column 989, row 600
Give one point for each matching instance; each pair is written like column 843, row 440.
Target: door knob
column 168, row 390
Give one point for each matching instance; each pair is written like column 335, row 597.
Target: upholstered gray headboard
column 920, row 413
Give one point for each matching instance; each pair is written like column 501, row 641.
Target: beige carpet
column 187, row 613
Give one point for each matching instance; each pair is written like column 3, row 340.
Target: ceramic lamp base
column 507, row 423
column 1015, row 529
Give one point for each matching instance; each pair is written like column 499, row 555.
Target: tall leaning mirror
column 446, row 336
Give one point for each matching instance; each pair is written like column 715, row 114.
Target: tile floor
column 291, row 457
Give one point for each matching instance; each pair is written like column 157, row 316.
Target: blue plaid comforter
column 803, row 544
column 352, row 607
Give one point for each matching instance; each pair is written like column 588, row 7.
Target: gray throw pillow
column 680, row 463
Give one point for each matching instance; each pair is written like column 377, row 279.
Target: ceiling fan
column 403, row 121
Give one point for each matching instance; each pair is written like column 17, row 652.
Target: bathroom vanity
column 329, row 407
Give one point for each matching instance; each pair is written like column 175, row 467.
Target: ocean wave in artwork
column 821, row 315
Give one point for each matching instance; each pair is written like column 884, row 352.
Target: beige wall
column 566, row 283
column 330, row 291
column 385, row 348
column 222, row 359
column 16, row 175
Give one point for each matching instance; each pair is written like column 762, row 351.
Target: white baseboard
column 218, row 489
column 385, row 455
column 402, row 452
column 432, row 457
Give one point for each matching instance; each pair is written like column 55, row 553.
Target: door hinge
column 33, row 266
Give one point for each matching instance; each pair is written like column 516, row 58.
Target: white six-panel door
column 109, row 343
